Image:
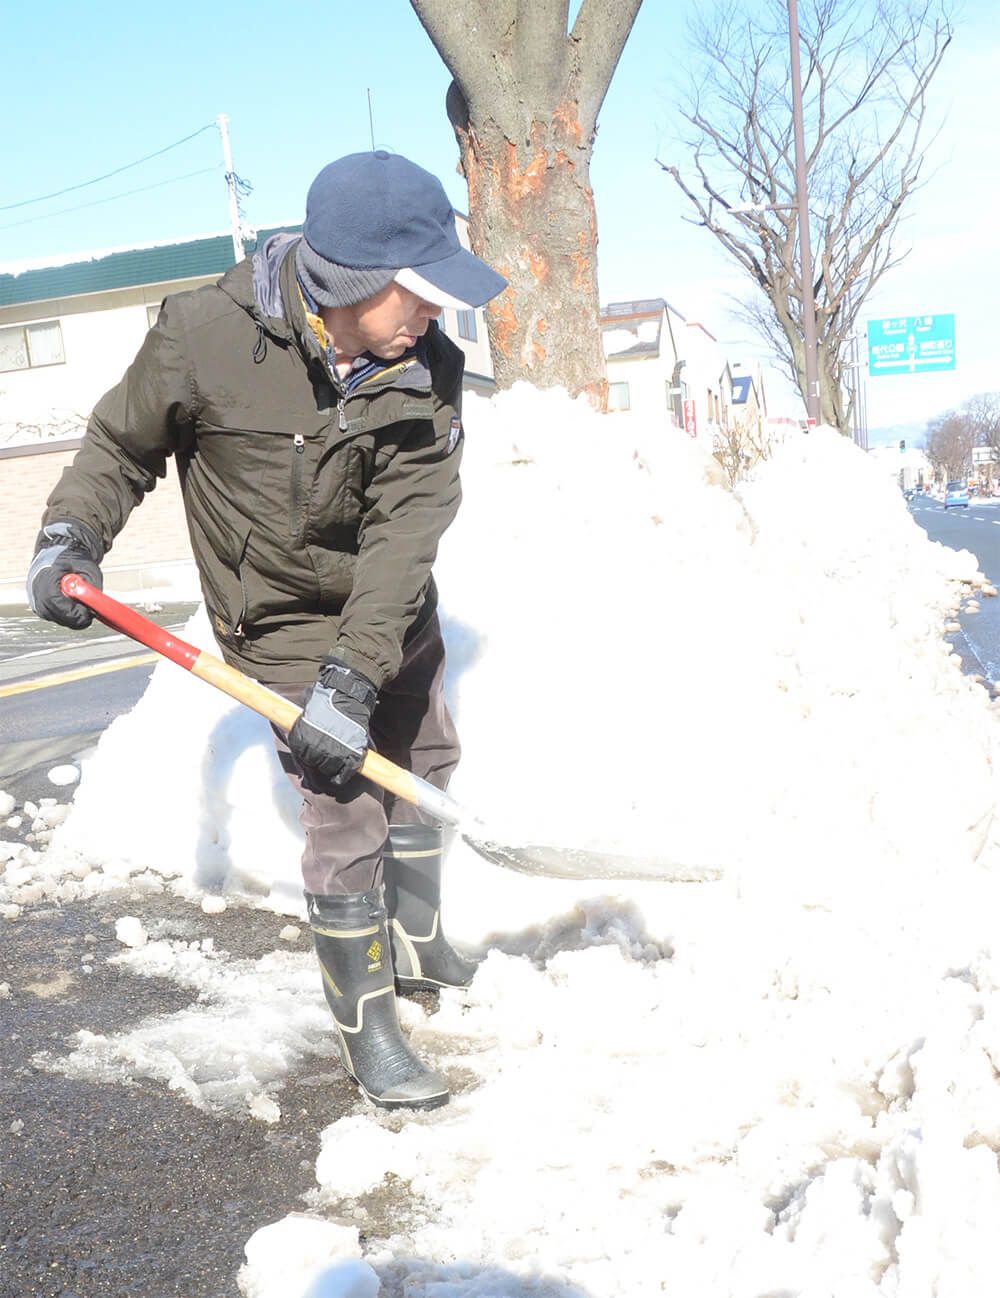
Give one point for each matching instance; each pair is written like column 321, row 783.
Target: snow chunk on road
column 284, row 1257
column 130, row 932
column 63, row 775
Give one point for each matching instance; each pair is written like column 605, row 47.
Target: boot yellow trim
column 410, row 937
column 368, row 996
column 345, row 932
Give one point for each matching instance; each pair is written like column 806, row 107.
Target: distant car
column 956, row 493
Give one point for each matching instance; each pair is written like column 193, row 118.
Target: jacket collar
column 267, row 286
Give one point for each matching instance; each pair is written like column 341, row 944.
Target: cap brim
column 461, row 282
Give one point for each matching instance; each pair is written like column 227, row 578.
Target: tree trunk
column 532, row 217
column 524, row 106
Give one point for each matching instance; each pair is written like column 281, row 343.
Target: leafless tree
column 866, row 70
column 983, row 413
column 950, row 439
column 524, row 102
column 741, row 442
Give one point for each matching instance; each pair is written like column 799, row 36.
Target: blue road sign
column 917, row 344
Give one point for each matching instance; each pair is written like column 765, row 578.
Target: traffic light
column 902, row 446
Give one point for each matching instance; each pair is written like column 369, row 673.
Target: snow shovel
column 556, row 862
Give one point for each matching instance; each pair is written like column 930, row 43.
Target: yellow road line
column 78, row 674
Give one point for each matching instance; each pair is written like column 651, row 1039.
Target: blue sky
column 101, row 85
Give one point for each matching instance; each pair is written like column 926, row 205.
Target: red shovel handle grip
column 122, row 618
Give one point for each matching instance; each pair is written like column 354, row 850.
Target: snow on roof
column 54, row 260
column 642, row 336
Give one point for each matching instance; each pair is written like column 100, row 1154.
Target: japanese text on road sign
column 917, row 344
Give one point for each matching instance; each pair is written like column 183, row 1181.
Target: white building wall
column 99, row 342
column 477, row 351
column 701, row 375
column 648, row 379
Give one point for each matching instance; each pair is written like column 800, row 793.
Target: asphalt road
column 975, row 528
column 59, row 690
column 109, row 1191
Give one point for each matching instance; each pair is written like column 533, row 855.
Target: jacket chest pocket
column 339, row 494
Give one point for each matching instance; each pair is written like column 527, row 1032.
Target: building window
column 618, row 396
column 24, row 347
column 467, row 325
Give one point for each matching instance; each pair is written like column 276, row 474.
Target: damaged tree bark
column 523, row 104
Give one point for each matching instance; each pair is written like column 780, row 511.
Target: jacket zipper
column 238, row 629
column 296, row 524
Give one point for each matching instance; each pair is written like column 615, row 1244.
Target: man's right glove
column 331, row 735
column 65, row 545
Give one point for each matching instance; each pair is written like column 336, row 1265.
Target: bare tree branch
column 463, row 40
column 600, row 32
column 866, row 74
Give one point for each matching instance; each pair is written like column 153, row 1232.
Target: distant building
column 643, row 344
column 747, row 400
column 666, row 367
column 69, row 331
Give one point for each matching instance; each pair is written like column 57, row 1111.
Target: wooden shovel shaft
column 208, row 668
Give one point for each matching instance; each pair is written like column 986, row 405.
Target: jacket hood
column 267, row 262
column 255, row 284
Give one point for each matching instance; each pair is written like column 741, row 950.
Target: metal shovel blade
column 584, row 863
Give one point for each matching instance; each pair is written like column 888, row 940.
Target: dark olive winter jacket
column 314, row 512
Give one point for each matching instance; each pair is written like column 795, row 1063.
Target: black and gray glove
column 65, row 545
column 331, row 735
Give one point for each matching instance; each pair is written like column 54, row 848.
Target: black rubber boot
column 423, row 958
column 352, row 942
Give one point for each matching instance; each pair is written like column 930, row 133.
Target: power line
column 30, row 220
column 9, row 207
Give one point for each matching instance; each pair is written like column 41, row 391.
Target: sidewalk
column 175, row 580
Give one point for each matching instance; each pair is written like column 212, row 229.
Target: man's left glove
column 65, row 545
column 331, row 735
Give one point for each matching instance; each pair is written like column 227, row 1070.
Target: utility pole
column 802, row 200
column 222, row 121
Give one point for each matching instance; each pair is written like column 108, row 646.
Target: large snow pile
column 781, row 1082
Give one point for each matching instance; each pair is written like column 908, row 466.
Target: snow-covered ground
column 783, row 1082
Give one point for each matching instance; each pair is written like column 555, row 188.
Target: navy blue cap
column 372, row 218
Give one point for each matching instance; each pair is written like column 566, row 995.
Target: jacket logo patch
column 220, row 626
column 454, row 433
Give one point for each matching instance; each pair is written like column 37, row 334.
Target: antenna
column 371, row 120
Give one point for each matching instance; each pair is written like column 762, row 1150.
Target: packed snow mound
column 657, row 665
column 782, row 1082
column 639, row 659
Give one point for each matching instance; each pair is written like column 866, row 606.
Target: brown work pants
column 346, row 825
